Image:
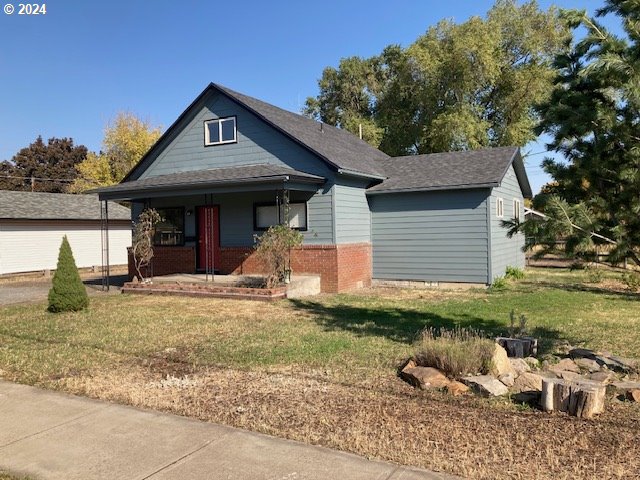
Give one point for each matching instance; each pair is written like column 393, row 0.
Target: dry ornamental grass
column 456, row 352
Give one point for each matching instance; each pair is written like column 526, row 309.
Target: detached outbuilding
column 32, row 225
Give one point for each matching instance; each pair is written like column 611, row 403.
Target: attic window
column 516, row 209
column 499, row 207
column 219, row 131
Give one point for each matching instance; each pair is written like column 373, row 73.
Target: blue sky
column 67, row 73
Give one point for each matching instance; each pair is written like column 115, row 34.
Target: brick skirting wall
column 341, row 267
column 354, row 266
column 168, row 260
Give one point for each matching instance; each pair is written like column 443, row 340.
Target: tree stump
column 519, row 347
column 582, row 399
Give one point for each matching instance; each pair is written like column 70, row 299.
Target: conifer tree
column 68, row 293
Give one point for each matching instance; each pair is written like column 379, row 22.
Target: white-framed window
column 499, row 207
column 220, row 130
column 516, row 209
column 266, row 215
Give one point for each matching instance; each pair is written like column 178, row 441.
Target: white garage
column 32, row 225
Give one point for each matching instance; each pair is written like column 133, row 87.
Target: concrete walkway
column 50, row 435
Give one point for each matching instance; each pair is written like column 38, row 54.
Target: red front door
column 208, row 238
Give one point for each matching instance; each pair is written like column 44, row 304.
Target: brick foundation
column 341, row 267
column 169, row 260
column 354, row 266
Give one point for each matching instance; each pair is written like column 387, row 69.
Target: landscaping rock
column 456, row 388
column 621, row 388
column 604, row 376
column 500, row 364
column 533, row 362
column 633, row 395
column 424, row 377
column 612, row 362
column 588, row 364
column 486, row 385
column 582, row 353
column 527, row 382
column 508, row 379
column 519, row 365
column 570, row 376
column 410, row 363
column 565, row 365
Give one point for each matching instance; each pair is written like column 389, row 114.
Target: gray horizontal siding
column 236, row 215
column 506, row 251
column 353, row 217
column 430, row 236
column 257, row 143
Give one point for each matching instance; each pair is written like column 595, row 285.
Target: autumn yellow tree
column 126, row 139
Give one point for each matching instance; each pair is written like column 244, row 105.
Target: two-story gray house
column 223, row 170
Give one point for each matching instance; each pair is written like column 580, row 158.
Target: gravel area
column 15, row 292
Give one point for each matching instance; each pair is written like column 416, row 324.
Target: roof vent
column 321, row 124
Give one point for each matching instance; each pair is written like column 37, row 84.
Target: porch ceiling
column 218, row 180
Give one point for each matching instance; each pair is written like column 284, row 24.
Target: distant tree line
column 59, row 166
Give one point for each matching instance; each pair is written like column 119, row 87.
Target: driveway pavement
column 50, row 435
column 37, row 290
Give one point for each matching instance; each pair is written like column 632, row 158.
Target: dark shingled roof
column 336, row 146
column 260, row 173
column 451, row 170
column 56, row 206
column 339, row 148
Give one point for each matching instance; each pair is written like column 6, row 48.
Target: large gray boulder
column 527, row 382
column 486, row 385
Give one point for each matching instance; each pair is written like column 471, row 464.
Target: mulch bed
column 389, row 420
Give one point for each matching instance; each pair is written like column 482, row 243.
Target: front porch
column 241, row 287
column 210, row 226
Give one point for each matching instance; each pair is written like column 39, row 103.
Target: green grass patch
column 366, row 330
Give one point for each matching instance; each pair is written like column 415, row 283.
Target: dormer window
column 219, row 131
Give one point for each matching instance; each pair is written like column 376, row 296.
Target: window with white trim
column 267, row 215
column 220, row 131
column 499, row 207
column 516, row 209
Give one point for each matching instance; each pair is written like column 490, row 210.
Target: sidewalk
column 50, row 435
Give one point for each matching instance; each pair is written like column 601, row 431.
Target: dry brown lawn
column 322, row 371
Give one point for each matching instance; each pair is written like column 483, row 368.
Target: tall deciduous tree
column 458, row 86
column 52, row 166
column 593, row 117
column 125, row 142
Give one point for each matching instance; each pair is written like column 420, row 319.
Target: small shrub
column 514, row 273
column 67, row 293
column 594, row 275
column 517, row 325
column 499, row 283
column 455, row 352
column 142, row 240
column 274, row 247
column 632, row 281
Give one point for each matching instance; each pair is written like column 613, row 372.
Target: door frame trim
column 197, row 209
